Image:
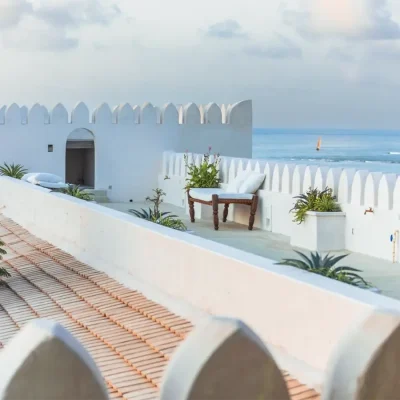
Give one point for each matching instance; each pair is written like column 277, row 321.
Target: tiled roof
column 130, row 337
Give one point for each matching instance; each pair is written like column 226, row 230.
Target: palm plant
column 326, row 266
column 76, row 191
column 3, row 272
column 164, row 218
column 314, row 200
column 16, row 171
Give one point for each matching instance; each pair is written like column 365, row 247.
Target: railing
column 356, row 190
column 221, row 359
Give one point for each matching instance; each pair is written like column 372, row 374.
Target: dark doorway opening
column 80, row 159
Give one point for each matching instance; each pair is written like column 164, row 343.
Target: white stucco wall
column 301, row 314
column 129, row 141
column 356, row 190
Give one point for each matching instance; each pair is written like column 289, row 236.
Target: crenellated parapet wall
column 356, row 190
column 128, row 140
column 233, row 114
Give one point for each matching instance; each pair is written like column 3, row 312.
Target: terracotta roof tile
column 130, row 337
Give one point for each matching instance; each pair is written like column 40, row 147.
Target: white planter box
column 320, row 232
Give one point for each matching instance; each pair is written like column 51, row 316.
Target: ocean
column 377, row 151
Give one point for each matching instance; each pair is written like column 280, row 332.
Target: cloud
column 40, row 38
column 46, row 25
column 283, row 48
column 346, row 19
column 75, row 14
column 13, row 11
column 338, row 54
column 228, row 29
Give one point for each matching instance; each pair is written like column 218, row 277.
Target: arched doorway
column 80, row 158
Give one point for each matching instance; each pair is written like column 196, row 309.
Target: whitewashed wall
column 356, row 190
column 195, row 270
column 129, row 141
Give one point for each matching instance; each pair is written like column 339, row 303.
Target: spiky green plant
column 164, row 218
column 314, row 200
column 16, row 171
column 76, row 191
column 206, row 175
column 3, row 272
column 326, row 266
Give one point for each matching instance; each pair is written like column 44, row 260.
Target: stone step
column 99, row 195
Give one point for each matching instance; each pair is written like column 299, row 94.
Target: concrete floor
column 380, row 273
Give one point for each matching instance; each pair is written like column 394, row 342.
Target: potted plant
column 319, row 221
column 205, row 175
column 157, row 216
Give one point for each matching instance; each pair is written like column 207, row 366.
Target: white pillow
column 234, row 185
column 252, row 183
column 44, row 177
column 26, row 177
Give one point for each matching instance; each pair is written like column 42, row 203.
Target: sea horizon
column 376, row 150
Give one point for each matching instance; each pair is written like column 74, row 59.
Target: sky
column 304, row 63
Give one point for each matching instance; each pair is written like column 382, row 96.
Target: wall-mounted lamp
column 370, row 210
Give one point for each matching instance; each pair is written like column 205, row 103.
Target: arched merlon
column 396, row 195
column 102, row 114
column 80, row 114
column 276, row 185
column 298, row 179
column 386, row 191
column 268, row 171
column 371, row 189
column 191, row 114
column 59, row 115
column 345, row 184
column 241, row 113
column 358, row 188
column 321, row 176
column 169, row 115
column 287, row 178
column 212, row 114
column 13, row 114
column 332, row 179
column 36, row 115
column 309, row 177
column 148, row 114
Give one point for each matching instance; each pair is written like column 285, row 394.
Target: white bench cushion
column 51, row 185
column 36, row 177
column 205, row 194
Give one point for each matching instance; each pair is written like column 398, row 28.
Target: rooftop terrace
column 383, row 274
column 130, row 337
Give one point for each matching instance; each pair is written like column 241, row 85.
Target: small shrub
column 16, row 171
column 3, row 272
column 204, row 176
column 76, row 191
column 326, row 267
column 155, row 215
column 314, row 200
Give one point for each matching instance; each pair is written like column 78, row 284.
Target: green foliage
column 155, row 215
column 326, row 266
column 3, row 272
column 76, row 191
column 16, row 171
column 314, row 200
column 204, row 176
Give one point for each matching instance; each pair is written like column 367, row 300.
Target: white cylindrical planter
column 321, row 231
